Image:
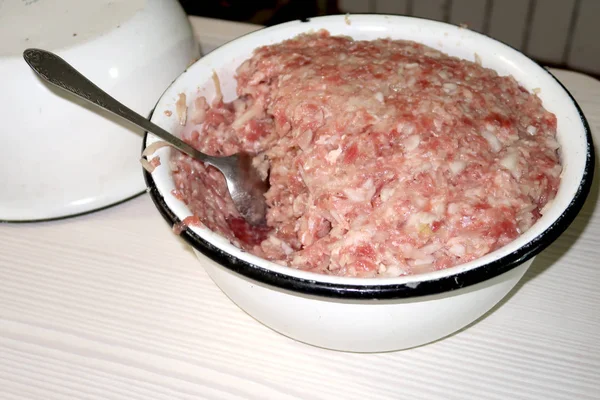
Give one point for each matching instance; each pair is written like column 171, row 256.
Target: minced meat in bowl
column 385, row 157
column 421, row 298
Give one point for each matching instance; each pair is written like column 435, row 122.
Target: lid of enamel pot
column 59, row 156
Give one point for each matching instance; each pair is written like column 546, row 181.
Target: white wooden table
column 112, row 305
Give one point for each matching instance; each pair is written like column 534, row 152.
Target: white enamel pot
column 372, row 315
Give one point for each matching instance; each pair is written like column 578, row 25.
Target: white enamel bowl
column 372, row 315
column 60, row 156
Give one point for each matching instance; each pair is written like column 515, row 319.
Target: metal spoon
column 245, row 186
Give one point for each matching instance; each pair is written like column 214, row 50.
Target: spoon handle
column 57, row 71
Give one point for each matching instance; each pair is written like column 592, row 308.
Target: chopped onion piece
column 457, row 166
column 552, row 143
column 407, row 128
column 254, row 111
column 181, row 109
column 411, row 142
column 510, row 161
column 147, row 166
column 217, row 83
column 333, row 155
column 457, row 250
column 151, row 149
column 427, row 260
column 386, row 193
column 200, row 108
column 450, row 87
column 532, row 130
column 493, row 141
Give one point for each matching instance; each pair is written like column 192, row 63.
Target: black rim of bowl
column 391, row 291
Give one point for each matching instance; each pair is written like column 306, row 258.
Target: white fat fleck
column 439, row 207
column 532, row 130
column 355, row 195
column 386, row 193
column 492, row 140
column 423, row 167
column 420, row 201
column 453, row 208
column 467, row 93
column 450, row 87
column 427, row 260
column 430, row 248
column 353, row 238
column 275, row 240
column 411, row 66
column 375, row 116
column 457, row 250
column 477, row 59
column 303, row 176
column 326, row 139
column 510, row 161
column 250, row 113
column 411, row 142
column 421, row 218
column 379, row 97
column 333, row 155
column 304, row 139
column 552, row 143
column 406, row 128
column 359, row 221
column 457, row 166
column 286, row 248
column 364, row 193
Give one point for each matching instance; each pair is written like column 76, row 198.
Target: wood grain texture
column 113, row 306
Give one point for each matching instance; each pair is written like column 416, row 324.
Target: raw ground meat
column 386, row 157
